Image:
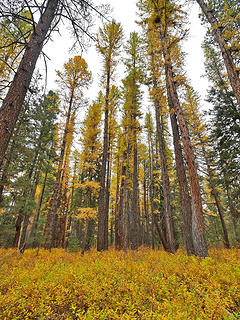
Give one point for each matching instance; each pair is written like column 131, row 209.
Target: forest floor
column 145, row 284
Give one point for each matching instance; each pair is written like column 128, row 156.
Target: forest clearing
column 119, row 178
column 144, row 284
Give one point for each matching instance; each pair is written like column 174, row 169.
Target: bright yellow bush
column 145, row 284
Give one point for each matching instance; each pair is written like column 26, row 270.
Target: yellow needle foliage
column 143, row 284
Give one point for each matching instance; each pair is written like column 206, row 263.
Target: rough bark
column 226, row 53
column 13, row 101
column 197, row 211
column 199, row 243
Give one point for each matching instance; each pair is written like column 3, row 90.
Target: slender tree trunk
column 22, row 213
column 119, row 235
column 226, row 53
column 101, row 241
column 166, row 183
column 7, row 163
column 107, row 197
column 36, row 220
column 27, row 215
column 13, row 102
column 50, row 228
column 234, row 213
column 183, row 185
column 151, row 196
column 22, row 242
column 134, row 225
column 111, row 233
column 146, row 213
column 126, row 204
column 217, row 200
column 118, row 211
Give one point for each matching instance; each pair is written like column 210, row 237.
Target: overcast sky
column 124, row 11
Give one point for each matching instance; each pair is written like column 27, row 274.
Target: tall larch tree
column 132, row 97
column 164, row 20
column 90, row 170
column 74, row 77
column 109, row 41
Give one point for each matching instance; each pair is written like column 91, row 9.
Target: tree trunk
column 217, row 200
column 183, row 185
column 166, row 183
column 117, row 204
column 101, row 234
column 54, row 202
column 35, row 223
column 226, row 54
column 234, row 214
column 199, row 243
column 107, row 197
column 146, row 213
column 13, row 101
column 18, row 226
column 134, row 223
column 22, row 242
column 119, row 218
column 126, row 205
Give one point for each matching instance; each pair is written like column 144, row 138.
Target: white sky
column 124, row 11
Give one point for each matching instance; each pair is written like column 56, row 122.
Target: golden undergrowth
column 145, row 284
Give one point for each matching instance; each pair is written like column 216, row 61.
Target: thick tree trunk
column 13, row 102
column 197, row 211
column 226, row 54
column 18, row 226
column 199, row 243
column 166, row 183
column 101, row 234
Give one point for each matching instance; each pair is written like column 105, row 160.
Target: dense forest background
column 127, row 171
